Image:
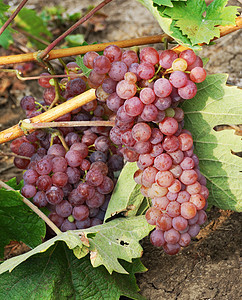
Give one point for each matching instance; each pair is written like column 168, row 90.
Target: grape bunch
column 144, row 91
column 74, row 182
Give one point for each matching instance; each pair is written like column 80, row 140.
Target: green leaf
column 126, row 199
column 17, row 221
column 117, row 239
column 144, row 206
column 86, row 71
column 190, row 19
column 58, row 274
column 165, row 2
column 29, row 21
column 75, row 40
column 71, row 238
column 216, row 104
column 6, row 38
column 165, row 22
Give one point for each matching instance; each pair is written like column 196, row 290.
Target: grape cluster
column 75, row 185
column 144, row 91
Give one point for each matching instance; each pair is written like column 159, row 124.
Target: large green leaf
column 198, row 22
column 117, row 239
column 216, row 104
column 17, row 221
column 29, row 21
column 126, row 197
column 58, row 274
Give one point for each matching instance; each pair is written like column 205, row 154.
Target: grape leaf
column 17, row 221
column 6, row 37
column 215, row 104
column 126, row 199
column 29, row 21
column 86, row 71
column 165, row 2
column 71, row 238
column 75, row 40
column 116, row 239
column 58, row 274
column 197, row 21
column 165, row 22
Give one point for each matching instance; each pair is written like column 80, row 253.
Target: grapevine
column 117, row 116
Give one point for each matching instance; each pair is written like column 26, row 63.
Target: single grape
column 185, row 239
column 117, row 70
column 113, row 53
column 162, row 87
column 30, row 176
column 94, row 177
column 178, row 79
column 96, row 201
column 188, row 210
column 44, row 182
column 179, row 64
column 189, row 56
column 28, row 190
column 164, row 222
column 172, row 236
column 64, row 209
column 168, row 126
column 156, row 191
column 101, row 65
column 125, row 89
column 198, row 74
column 129, row 57
column 141, row 132
column 59, row 179
column 108, row 86
column 67, row 225
column 166, row 58
column 88, row 59
column 157, row 238
column 164, row 178
column 188, row 91
column 56, row 219
column 54, row 195
column 149, row 113
column 160, row 202
column 28, row 103
column 152, row 215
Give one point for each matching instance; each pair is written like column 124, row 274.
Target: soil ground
column 210, row 267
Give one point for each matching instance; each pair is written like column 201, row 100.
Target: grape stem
column 45, row 52
column 50, row 115
column 34, row 208
column 20, row 77
column 59, row 53
column 13, row 154
column 5, row 25
column 30, row 126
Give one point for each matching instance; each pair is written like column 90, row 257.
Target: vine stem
column 60, row 53
column 5, row 25
column 45, row 52
column 30, row 126
column 50, row 115
column 13, row 154
column 34, row 208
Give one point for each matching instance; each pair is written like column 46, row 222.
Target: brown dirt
column 210, row 267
